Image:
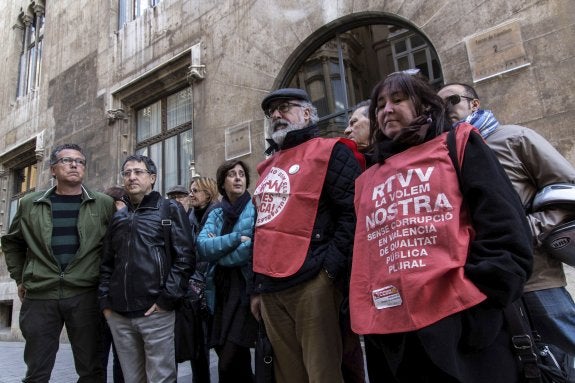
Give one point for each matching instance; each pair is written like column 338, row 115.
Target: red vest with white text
column 286, row 199
column 411, row 241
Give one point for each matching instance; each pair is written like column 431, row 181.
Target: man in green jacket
column 53, row 251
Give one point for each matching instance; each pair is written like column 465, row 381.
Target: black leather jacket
column 136, row 272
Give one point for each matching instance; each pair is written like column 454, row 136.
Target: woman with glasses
column 192, row 322
column 441, row 246
column 225, row 242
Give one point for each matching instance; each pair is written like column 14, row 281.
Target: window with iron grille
column 164, row 133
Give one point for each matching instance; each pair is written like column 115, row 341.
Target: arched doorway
column 339, row 64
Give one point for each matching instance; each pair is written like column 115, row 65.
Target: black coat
column 473, row 345
column 136, row 272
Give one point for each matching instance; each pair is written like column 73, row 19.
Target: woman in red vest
column 438, row 252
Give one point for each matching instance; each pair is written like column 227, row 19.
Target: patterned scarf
column 484, row 121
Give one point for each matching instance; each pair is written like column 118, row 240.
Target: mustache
column 279, row 122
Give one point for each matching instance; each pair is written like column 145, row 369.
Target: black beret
column 286, row 94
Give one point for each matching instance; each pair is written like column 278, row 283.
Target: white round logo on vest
column 271, row 195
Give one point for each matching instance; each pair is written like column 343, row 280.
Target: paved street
column 12, row 366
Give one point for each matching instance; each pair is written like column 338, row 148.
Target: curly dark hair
column 222, row 172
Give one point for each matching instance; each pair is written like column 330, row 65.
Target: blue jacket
column 226, row 250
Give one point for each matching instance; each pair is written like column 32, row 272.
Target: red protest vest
column 411, row 241
column 286, row 198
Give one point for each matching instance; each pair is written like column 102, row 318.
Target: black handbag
column 264, row 357
column 539, row 362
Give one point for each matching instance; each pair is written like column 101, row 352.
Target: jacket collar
column 294, row 138
column 87, row 195
column 151, row 200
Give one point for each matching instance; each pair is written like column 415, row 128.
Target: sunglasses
column 455, row 99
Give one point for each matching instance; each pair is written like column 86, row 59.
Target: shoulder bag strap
column 166, row 226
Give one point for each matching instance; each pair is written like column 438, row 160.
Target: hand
column 21, row 292
column 244, row 238
column 107, row 312
column 256, row 307
column 154, row 309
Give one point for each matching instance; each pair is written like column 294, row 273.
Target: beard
column 279, row 135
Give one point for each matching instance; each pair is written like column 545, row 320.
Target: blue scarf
column 484, row 121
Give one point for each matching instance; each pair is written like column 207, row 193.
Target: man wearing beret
column 181, row 194
column 303, row 239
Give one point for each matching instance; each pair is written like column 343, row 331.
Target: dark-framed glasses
column 195, row 191
column 284, row 107
column 137, row 172
column 455, row 99
column 70, row 161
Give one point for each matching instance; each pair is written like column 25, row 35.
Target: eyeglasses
column 284, row 107
column 137, row 172
column 70, row 161
column 455, row 99
column 195, row 191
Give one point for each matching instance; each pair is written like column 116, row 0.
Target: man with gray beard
column 303, row 240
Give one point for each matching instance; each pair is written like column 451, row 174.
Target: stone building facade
column 182, row 80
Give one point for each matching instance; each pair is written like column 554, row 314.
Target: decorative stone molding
column 115, row 115
column 39, row 151
column 196, row 73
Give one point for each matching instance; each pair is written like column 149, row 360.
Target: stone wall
column 248, row 46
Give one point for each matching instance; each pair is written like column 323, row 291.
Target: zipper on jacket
column 132, row 219
column 160, row 266
column 61, row 284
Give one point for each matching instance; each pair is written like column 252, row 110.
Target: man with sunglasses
column 303, row 239
column 53, row 250
column 531, row 163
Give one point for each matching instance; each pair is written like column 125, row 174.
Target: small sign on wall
column 238, row 141
column 496, row 51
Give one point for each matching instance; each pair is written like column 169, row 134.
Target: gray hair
column 314, row 118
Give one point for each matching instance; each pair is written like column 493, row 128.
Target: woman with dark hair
column 226, row 243
column 441, row 246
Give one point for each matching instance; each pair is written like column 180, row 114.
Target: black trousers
column 234, row 364
column 41, row 322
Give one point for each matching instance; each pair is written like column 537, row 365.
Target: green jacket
column 28, row 250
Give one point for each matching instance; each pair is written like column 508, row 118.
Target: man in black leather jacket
column 303, row 241
column 142, row 277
